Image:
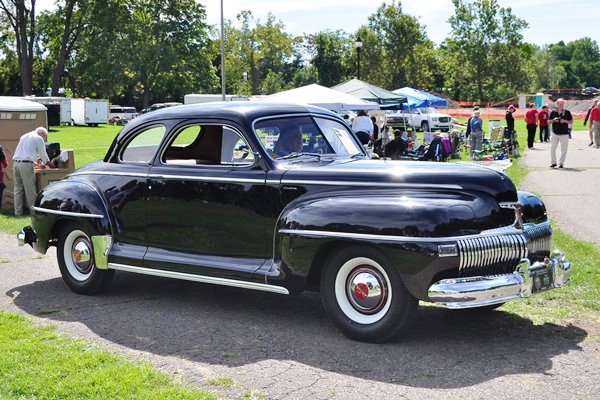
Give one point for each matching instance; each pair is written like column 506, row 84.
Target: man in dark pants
column 531, row 121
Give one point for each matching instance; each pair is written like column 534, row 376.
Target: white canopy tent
column 321, row 96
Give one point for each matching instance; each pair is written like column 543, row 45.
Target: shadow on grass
column 234, row 327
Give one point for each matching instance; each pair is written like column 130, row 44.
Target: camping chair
column 497, row 140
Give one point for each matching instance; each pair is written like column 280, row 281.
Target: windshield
column 428, row 110
column 284, row 137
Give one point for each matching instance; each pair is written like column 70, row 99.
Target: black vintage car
column 283, row 198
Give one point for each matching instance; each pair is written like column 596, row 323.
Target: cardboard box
column 44, row 177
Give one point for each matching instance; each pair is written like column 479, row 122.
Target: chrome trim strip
column 274, row 182
column 369, row 236
column 369, row 184
column 181, row 177
column 67, row 213
column 204, row 178
column 199, row 278
column 110, row 173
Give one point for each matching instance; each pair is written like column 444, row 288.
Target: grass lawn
column 38, row 363
column 88, row 144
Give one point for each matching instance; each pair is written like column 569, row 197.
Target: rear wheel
column 364, row 296
column 76, row 261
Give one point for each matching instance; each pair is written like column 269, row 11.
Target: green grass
column 89, row 144
column 579, row 299
column 38, row 363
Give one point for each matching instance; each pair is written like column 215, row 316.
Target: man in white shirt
column 30, row 148
column 362, row 123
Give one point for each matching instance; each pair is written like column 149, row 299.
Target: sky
column 549, row 20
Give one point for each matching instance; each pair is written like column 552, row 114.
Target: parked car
column 283, row 198
column 590, row 91
column 119, row 115
column 426, row 119
column 159, row 106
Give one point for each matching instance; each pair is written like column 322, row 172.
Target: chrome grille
column 539, row 239
column 444, row 119
column 491, row 255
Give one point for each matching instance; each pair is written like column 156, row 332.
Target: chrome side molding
column 199, row 278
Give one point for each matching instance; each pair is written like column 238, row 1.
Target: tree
column 21, row 17
column 157, row 48
column 485, row 49
column 327, row 48
column 407, row 52
column 263, row 51
column 61, row 30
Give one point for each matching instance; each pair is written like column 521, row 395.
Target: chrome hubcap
column 81, row 254
column 366, row 289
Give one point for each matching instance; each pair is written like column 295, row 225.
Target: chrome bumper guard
column 478, row 291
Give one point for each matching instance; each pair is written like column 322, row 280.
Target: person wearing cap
column 560, row 118
column 543, row 118
column 476, row 125
column 30, row 150
column 531, row 117
column 468, row 132
column 510, row 120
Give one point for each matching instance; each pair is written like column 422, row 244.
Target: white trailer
column 89, row 111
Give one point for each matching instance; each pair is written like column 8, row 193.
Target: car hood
column 410, row 174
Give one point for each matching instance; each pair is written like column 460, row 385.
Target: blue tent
column 418, row 98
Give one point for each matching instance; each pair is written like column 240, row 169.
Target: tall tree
column 21, row 17
column 327, row 48
column 159, row 48
column 405, row 47
column 485, row 42
column 262, row 50
column 61, row 30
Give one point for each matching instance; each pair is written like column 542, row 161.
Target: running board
column 199, row 278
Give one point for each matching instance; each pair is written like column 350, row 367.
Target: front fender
column 69, row 199
column 404, row 227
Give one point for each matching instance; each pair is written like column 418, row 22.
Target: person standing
column 595, row 123
column 587, row 116
column 30, row 148
column 476, row 125
column 543, row 118
column 560, row 133
column 530, row 118
column 363, row 127
column 510, row 120
column 3, row 166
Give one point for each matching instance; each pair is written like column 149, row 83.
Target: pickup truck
column 426, row 119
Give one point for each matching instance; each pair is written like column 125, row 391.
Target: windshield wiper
column 296, row 155
column 356, row 155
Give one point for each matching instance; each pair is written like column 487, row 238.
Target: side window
column 144, row 145
column 208, row 145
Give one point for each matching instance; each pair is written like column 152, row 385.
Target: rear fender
column 64, row 201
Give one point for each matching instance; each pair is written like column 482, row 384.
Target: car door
column 205, row 209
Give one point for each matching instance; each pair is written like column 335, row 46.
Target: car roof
column 243, row 111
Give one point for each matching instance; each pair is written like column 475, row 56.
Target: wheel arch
column 67, row 201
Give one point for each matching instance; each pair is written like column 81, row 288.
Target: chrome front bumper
column 478, row 291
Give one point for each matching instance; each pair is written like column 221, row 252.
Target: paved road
column 572, row 194
column 285, row 347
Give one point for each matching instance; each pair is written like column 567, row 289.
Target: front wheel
column 425, row 126
column 364, row 296
column 76, row 261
